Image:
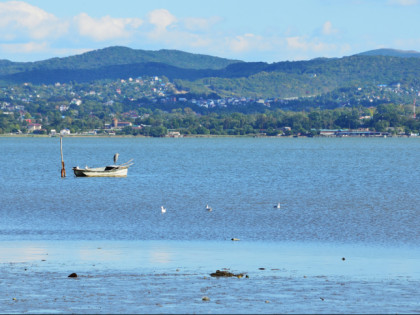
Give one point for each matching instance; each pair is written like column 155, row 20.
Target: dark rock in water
column 219, row 273
column 73, row 275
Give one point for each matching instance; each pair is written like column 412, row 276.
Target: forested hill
column 392, row 52
column 117, row 56
column 201, row 74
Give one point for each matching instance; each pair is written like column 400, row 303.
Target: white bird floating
column 163, row 209
column 277, row 206
column 208, row 208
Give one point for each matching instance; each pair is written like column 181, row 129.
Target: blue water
column 349, row 190
column 346, row 239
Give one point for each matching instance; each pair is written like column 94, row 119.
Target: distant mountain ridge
column 391, row 53
column 118, row 55
column 203, row 74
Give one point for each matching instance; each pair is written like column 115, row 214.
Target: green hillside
column 114, row 56
column 307, row 78
column 392, row 52
column 205, row 75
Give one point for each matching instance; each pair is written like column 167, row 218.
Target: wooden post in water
column 63, row 170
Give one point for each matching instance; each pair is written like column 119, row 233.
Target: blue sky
column 249, row 30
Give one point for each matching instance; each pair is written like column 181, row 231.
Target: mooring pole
column 63, row 170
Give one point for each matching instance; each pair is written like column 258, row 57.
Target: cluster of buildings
column 67, row 98
column 220, row 102
column 362, row 132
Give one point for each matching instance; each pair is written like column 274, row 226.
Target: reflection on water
column 314, row 259
column 161, row 256
column 23, row 253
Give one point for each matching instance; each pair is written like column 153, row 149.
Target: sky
column 248, row 30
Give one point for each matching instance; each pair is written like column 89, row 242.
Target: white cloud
column 246, row 42
column 106, row 27
column 18, row 18
column 161, row 19
column 305, row 48
column 328, row 29
column 296, row 42
column 29, row 47
column 25, row 28
column 40, row 47
column 180, row 33
column 403, row 2
column 197, row 24
column 199, row 41
column 38, row 50
column 300, row 43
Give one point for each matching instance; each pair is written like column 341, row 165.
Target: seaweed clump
column 219, row 273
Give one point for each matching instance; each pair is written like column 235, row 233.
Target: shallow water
column 174, row 276
column 351, row 198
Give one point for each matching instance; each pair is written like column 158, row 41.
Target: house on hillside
column 328, row 132
column 33, row 127
column 64, row 132
column 120, row 124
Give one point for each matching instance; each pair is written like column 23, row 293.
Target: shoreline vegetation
column 384, row 120
column 198, row 136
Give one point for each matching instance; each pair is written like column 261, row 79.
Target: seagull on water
column 162, row 209
column 208, row 208
column 277, row 206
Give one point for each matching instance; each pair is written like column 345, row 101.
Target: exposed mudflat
column 174, row 277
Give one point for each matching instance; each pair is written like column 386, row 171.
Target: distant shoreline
column 187, row 136
column 140, row 136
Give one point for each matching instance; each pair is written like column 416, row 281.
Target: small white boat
column 107, row 171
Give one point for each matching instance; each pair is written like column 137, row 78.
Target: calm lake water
column 331, row 190
column 350, row 197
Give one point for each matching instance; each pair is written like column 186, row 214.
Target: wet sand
column 174, row 276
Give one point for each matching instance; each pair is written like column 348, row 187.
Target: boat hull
column 100, row 172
